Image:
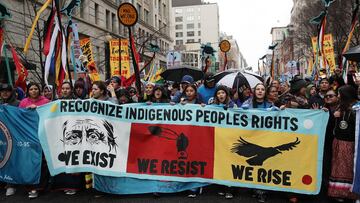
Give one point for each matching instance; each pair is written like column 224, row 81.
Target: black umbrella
column 353, row 54
column 176, row 74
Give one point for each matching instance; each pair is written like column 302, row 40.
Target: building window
column 190, row 41
column 178, row 11
column 199, row 25
column 190, row 26
column 179, row 42
column 113, row 22
column 199, row 33
column 107, row 19
column 179, row 19
column 164, row 11
column 96, row 13
column 190, row 34
column 139, row 10
column 190, row 18
column 82, row 8
column 179, row 27
column 146, row 16
column 199, row 40
column 199, row 17
column 179, row 34
column 159, row 23
column 159, row 7
column 156, row 21
column 190, row 10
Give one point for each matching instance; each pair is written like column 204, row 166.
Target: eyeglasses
column 330, row 96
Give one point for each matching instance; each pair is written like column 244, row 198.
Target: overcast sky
column 250, row 22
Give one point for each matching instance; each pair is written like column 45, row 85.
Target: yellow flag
column 28, row 40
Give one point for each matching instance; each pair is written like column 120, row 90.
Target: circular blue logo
column 5, row 144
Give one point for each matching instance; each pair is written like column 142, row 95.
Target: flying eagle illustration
column 258, row 154
column 182, row 142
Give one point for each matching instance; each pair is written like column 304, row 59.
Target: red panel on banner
column 171, row 150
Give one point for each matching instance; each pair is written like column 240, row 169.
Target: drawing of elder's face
column 94, row 133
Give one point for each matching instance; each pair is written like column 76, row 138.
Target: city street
column 209, row 195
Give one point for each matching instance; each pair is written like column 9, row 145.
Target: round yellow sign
column 127, row 14
column 225, row 46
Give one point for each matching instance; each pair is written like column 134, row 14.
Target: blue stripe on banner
column 356, row 181
column 115, row 185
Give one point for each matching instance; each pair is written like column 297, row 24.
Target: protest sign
column 273, row 150
column 20, row 150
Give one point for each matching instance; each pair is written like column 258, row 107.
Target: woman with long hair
column 159, row 95
column 222, row 97
column 343, row 146
column 259, row 99
column 33, row 97
column 191, row 94
column 33, row 100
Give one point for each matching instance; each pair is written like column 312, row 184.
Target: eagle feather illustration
column 258, row 154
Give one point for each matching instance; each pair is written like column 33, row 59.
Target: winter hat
column 209, row 77
column 308, row 88
column 187, row 79
column 224, row 88
column 6, row 86
column 296, row 84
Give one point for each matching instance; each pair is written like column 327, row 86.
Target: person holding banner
column 259, row 99
column 186, row 80
column 343, row 146
column 123, row 96
column 33, row 100
column 222, row 99
column 192, row 96
column 149, row 91
column 159, row 95
column 331, row 103
column 69, row 183
column 296, row 97
column 8, row 97
column 318, row 99
column 273, row 95
column 33, row 97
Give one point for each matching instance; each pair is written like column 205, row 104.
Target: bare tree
column 338, row 23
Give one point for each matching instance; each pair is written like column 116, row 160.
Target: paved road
column 209, row 195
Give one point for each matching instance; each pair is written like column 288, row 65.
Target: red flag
column 47, row 37
column 20, row 69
